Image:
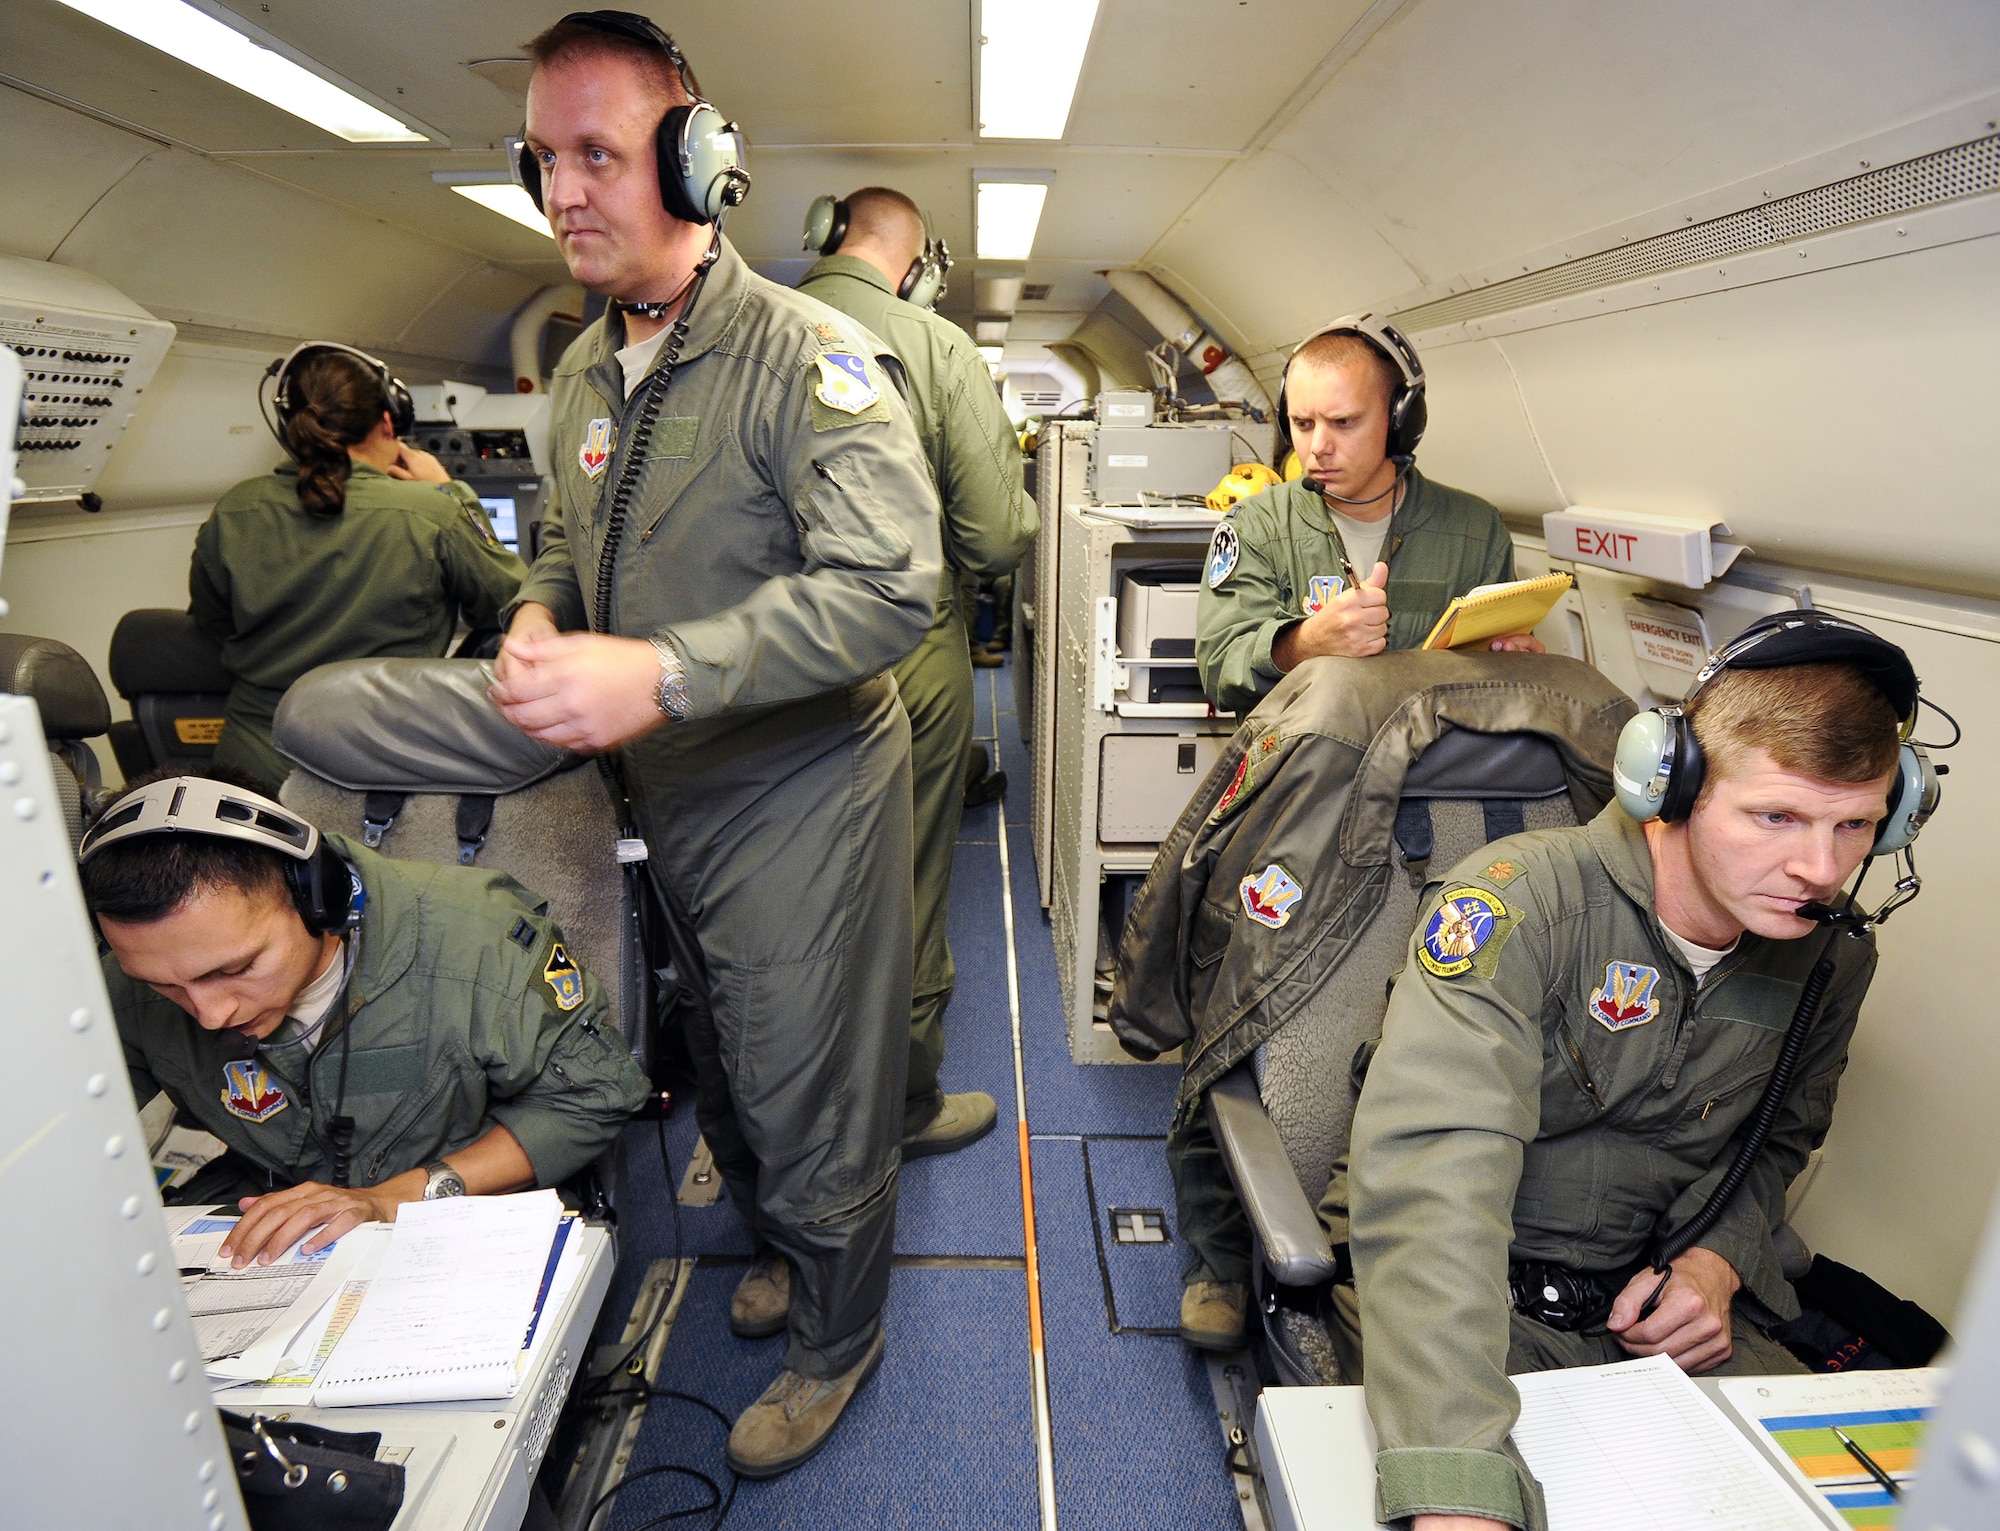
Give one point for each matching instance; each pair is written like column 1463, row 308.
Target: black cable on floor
column 596, row 1387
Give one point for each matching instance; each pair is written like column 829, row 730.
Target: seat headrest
column 72, row 703
column 158, row 652
column 408, row 725
column 1464, row 763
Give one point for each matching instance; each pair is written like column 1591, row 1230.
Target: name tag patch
column 1629, row 997
column 1223, row 552
column 1270, row 895
column 596, row 449
column 1324, row 587
column 564, row 978
column 1458, row 927
column 249, row 1091
column 843, row 383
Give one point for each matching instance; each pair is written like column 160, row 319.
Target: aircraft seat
column 74, row 710
column 171, row 673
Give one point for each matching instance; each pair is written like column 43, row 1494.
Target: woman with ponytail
column 360, row 547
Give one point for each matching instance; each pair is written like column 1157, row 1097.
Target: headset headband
column 1380, row 334
column 201, row 805
column 639, row 29
column 1813, row 637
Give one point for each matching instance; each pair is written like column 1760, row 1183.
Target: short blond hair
column 1826, row 721
column 1341, row 347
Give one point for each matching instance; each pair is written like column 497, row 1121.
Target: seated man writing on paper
column 1573, row 1060
column 361, row 1032
column 1360, row 555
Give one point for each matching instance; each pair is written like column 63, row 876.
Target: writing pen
column 1889, row 1484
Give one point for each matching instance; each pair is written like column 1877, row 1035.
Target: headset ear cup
column 528, row 171
column 402, row 406
column 670, row 144
column 1640, row 764
column 1912, row 799
column 1284, row 423
column 1407, row 419
column 1688, row 767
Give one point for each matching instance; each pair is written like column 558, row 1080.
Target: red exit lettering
column 1590, row 542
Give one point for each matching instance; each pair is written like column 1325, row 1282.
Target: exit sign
column 1683, row 550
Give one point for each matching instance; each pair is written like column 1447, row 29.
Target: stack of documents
column 443, row 1304
column 1882, row 1412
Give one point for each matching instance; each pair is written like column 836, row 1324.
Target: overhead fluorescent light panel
column 195, row 37
column 1030, row 57
column 1008, row 209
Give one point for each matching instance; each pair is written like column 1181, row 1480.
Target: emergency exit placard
column 1682, row 550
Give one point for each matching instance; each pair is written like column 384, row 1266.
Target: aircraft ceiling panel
column 1109, row 207
column 1469, row 141
column 1198, row 73
column 75, row 160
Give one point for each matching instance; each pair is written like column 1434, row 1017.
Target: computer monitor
column 506, row 526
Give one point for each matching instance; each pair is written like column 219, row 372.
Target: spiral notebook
column 1493, row 611
column 444, row 1317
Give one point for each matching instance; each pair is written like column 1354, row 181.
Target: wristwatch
column 672, row 694
column 445, row 1181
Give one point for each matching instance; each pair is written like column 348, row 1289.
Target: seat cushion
column 64, row 688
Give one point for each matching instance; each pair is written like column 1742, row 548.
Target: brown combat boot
column 964, row 1119
column 793, row 1419
column 762, row 1304
column 1212, row 1314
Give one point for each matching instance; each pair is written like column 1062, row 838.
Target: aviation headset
column 323, row 887
column 1659, row 767
column 700, row 154
column 1409, row 413
column 923, row 284
column 396, row 398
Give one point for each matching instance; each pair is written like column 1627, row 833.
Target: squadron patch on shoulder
column 523, row 934
column 843, row 382
column 1462, row 923
column 1630, row 996
column 479, row 525
column 249, row 1092
column 1502, row 872
column 564, row 978
column 596, row 449
column 1323, row 588
column 1223, row 551
column 1270, row 896
column 1233, row 791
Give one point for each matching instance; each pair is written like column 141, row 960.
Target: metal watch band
column 672, row 694
column 444, row 1181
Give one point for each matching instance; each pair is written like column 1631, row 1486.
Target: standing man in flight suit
column 1361, row 554
column 874, row 257
column 742, row 540
column 1574, row 1058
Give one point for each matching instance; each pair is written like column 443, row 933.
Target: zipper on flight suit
column 1582, row 1074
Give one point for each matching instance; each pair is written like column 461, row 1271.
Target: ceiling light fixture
column 509, row 201
column 195, row 37
column 1030, row 57
column 992, row 354
column 1008, row 214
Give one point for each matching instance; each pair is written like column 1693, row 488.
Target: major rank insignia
column 249, row 1091
column 843, row 383
column 596, row 449
column 1462, row 923
column 1222, row 554
column 1324, row 587
column 564, row 978
column 1630, row 996
column 1269, row 896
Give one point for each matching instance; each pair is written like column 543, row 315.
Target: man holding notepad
column 1361, row 554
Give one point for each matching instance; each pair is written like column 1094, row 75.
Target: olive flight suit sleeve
column 561, row 1081
column 1451, row 1101
column 1238, row 619
column 1742, row 1235
column 1499, row 567
column 552, row 581
column 480, row 575
column 208, row 586
column 866, row 513
column 989, row 519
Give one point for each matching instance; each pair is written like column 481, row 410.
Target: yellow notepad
column 1492, row 611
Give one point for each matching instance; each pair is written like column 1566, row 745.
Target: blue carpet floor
column 942, row 1436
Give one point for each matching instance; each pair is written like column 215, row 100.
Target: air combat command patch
column 1323, row 588
column 1222, row 554
column 1629, row 997
column 596, row 449
column 248, row 1091
column 843, row 383
column 1269, row 896
column 563, row 977
column 1462, row 923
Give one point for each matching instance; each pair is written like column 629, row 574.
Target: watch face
column 445, row 1181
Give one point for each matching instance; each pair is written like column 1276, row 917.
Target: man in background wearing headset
column 1361, row 554
column 360, row 1032
column 742, row 539
column 1556, row 1159
column 878, row 266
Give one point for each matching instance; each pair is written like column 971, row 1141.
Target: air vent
column 1036, row 292
column 1964, row 170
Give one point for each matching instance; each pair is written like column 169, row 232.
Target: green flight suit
column 1442, row 542
column 285, row 592
column 786, row 547
column 1551, row 1085
column 461, row 1012
column 989, row 524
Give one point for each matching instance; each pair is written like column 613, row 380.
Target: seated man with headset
column 1611, row 1051
column 361, row 1032
column 1362, row 553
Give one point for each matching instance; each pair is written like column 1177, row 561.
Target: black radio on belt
column 1560, row 1297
